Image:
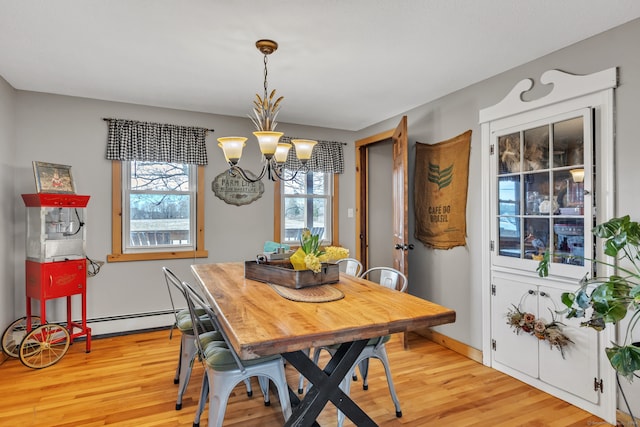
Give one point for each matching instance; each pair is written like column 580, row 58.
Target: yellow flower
column 334, row 253
column 313, row 263
column 314, row 253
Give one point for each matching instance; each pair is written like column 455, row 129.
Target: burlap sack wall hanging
column 440, row 192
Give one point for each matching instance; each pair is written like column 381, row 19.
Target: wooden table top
column 259, row 322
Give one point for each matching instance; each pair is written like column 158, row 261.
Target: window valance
column 156, row 142
column 328, row 156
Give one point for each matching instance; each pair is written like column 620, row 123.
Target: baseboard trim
column 624, row 419
column 452, row 344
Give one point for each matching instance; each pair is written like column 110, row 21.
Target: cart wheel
column 44, row 346
column 15, row 333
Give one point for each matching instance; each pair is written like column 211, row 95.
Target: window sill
column 150, row 256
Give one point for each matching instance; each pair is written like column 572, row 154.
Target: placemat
column 321, row 293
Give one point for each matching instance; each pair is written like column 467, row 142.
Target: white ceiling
column 341, row 64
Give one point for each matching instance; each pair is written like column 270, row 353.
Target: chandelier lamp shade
column 274, row 152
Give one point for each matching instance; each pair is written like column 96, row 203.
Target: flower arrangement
column 528, row 323
column 311, row 255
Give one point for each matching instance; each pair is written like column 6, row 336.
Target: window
column 308, row 201
column 158, row 211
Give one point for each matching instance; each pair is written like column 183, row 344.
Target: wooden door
column 400, row 244
column 400, row 188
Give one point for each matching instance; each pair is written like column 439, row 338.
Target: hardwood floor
column 128, row 381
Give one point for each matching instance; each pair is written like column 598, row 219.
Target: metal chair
column 187, row 341
column 352, row 266
column 392, row 279
column 224, row 369
column 187, row 344
column 375, row 348
column 388, row 277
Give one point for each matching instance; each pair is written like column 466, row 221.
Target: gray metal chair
column 375, row 348
column 352, row 266
column 224, row 369
column 187, row 344
column 388, row 277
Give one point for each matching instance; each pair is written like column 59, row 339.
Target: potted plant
column 610, row 299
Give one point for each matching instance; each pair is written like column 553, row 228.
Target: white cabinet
column 547, row 165
column 574, row 370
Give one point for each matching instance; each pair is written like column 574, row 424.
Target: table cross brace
column 326, row 386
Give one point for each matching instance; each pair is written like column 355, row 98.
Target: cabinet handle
column 543, row 294
column 50, row 280
column 532, row 292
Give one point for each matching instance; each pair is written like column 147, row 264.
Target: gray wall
column 453, row 277
column 7, row 148
column 69, row 130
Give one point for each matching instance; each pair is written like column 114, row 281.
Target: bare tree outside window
column 160, row 204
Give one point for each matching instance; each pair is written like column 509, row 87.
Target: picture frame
column 53, row 178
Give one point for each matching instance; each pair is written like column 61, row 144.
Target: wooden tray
column 282, row 273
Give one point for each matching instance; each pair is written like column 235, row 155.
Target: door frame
column 362, row 190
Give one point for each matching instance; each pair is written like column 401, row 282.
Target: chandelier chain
column 265, row 77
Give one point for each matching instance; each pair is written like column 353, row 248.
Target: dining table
column 259, row 321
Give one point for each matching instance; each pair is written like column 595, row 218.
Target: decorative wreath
column 528, row 323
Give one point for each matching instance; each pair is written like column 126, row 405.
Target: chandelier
column 274, row 152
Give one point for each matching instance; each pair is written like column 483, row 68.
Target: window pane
column 296, row 186
column 320, row 216
column 509, row 236
column 318, row 183
column 158, row 176
column 294, row 218
column 568, row 147
column 159, row 219
column 509, row 154
column 536, row 187
column 509, row 195
column 307, row 203
column 569, row 241
column 536, row 148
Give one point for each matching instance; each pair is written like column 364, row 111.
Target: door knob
column 404, row 247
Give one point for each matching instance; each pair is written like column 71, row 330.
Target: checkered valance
column 328, row 156
column 155, row 142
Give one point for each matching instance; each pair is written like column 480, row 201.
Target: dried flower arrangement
column 527, row 322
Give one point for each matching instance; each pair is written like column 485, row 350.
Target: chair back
column 352, row 266
column 172, row 280
column 196, row 304
column 387, row 277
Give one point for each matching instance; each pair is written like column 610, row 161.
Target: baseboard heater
column 101, row 330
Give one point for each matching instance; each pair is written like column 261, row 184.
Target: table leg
column 326, row 386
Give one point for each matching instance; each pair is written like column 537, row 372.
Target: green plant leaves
column 624, row 359
column 543, row 265
column 610, row 298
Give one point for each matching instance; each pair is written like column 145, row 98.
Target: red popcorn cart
column 55, row 267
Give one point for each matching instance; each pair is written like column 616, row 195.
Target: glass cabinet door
column 539, row 195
